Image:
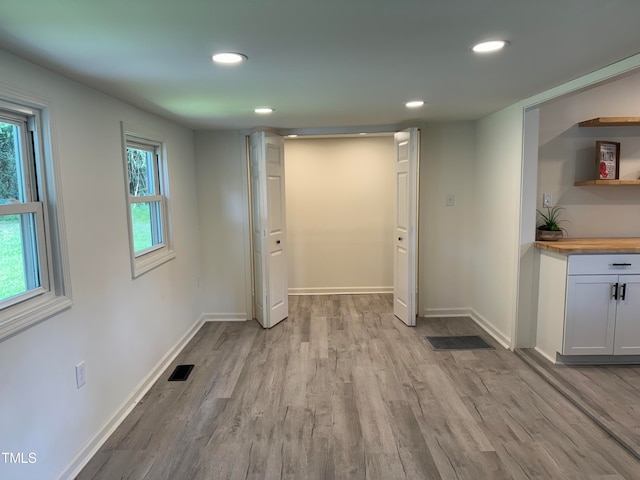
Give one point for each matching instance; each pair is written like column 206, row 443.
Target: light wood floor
column 610, row 395
column 342, row 389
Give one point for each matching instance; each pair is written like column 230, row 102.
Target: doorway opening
column 352, row 224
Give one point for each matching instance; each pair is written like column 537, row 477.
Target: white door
column 405, row 281
column 627, row 337
column 269, row 228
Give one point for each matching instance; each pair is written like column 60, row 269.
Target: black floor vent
column 181, row 373
column 468, row 342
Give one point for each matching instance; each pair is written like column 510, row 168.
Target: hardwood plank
column 609, row 395
column 344, row 390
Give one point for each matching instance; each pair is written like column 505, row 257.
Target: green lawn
column 12, row 279
column 141, row 219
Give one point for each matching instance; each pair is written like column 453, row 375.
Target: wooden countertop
column 592, row 245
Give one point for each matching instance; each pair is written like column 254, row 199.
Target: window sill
column 143, row 265
column 19, row 317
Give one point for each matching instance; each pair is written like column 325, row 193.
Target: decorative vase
column 549, row 235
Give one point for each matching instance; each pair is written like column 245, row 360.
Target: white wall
column 223, row 218
column 120, row 327
column 340, row 200
column 446, row 243
column 567, row 153
column 497, row 190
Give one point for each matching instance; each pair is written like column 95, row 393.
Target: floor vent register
column 181, row 373
column 458, row 342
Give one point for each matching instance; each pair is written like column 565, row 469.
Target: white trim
column 469, row 312
column 20, row 208
column 143, row 266
column 146, row 260
column 93, row 445
column 246, row 224
column 225, row 317
column 594, row 78
column 59, row 297
column 340, row 290
column 34, row 311
column 483, row 323
column 446, row 312
column 545, row 355
column 146, row 199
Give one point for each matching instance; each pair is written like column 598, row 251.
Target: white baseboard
column 339, row 290
column 499, row 337
column 92, row 446
column 545, row 355
column 224, row 317
column 446, row 312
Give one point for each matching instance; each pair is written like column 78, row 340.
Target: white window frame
column 150, row 258
column 43, row 200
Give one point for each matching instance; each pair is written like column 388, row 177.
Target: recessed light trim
column 264, row 110
column 229, row 58
column 414, row 104
column 490, row 46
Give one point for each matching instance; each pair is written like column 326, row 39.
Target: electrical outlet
column 451, row 200
column 81, row 378
column 547, row 200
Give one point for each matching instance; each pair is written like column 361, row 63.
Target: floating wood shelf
column 611, row 122
column 587, row 183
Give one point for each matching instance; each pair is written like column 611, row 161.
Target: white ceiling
column 326, row 63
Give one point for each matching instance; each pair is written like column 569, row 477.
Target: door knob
column 400, row 238
column 278, row 242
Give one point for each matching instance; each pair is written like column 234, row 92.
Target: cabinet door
column 627, row 338
column 590, row 317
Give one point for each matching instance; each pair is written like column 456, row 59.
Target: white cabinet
column 591, row 315
column 588, row 304
column 627, row 337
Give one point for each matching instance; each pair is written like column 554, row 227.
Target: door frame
column 321, row 132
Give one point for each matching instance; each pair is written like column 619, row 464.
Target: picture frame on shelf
column 607, row 160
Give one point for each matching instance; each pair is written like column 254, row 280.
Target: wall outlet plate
column 81, row 377
column 547, row 200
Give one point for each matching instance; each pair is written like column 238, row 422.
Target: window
column 147, row 186
column 33, row 276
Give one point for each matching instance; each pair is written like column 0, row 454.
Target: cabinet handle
column 620, row 264
column 624, row 291
column 615, row 291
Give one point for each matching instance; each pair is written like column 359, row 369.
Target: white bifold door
column 269, row 228
column 405, row 278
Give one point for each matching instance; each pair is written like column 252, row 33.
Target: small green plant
column 551, row 220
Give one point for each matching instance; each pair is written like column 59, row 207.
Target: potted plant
column 549, row 228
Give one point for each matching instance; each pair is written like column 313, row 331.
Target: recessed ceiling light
column 229, row 58
column 264, row 110
column 292, row 136
column 491, row 46
column 363, row 133
column 414, row 104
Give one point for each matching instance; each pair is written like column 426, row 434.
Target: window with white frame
column 34, row 280
column 147, row 188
